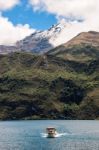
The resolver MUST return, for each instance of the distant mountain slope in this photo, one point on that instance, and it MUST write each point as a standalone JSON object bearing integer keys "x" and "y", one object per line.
{"x": 7, "y": 49}
{"x": 84, "y": 47}
{"x": 88, "y": 38}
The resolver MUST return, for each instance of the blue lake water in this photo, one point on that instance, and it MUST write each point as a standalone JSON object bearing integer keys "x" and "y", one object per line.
{"x": 30, "y": 135}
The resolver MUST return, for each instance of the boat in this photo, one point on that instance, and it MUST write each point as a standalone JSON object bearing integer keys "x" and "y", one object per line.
{"x": 51, "y": 132}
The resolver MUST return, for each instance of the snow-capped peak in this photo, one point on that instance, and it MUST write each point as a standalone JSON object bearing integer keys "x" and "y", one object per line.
{"x": 42, "y": 41}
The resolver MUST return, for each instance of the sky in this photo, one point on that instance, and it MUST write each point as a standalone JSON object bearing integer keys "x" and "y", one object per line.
{"x": 20, "y": 18}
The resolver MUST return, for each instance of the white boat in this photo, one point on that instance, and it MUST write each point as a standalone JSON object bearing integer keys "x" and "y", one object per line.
{"x": 51, "y": 132}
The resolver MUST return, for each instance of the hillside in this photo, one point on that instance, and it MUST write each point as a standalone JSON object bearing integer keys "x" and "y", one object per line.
{"x": 88, "y": 38}
{"x": 84, "y": 47}
{"x": 62, "y": 84}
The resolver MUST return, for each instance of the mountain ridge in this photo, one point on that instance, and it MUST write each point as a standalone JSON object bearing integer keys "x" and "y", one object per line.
{"x": 47, "y": 46}
{"x": 57, "y": 35}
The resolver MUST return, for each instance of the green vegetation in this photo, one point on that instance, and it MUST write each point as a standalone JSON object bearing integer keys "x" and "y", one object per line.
{"x": 57, "y": 88}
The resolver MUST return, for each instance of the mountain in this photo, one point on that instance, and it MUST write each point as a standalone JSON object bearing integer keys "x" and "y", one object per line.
{"x": 66, "y": 78}
{"x": 83, "y": 47}
{"x": 87, "y": 38}
{"x": 30, "y": 83}
{"x": 41, "y": 41}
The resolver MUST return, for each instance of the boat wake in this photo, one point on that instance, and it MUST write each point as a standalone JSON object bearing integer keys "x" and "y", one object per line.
{"x": 44, "y": 135}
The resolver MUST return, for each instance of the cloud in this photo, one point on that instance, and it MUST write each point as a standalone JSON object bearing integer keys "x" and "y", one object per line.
{"x": 8, "y": 4}
{"x": 67, "y": 7}
{"x": 79, "y": 15}
{"x": 82, "y": 15}
{"x": 9, "y": 33}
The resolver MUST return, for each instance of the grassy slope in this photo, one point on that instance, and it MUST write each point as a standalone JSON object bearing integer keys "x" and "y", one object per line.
{"x": 64, "y": 88}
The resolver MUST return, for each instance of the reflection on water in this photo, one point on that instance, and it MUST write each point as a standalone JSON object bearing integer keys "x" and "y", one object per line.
{"x": 31, "y": 135}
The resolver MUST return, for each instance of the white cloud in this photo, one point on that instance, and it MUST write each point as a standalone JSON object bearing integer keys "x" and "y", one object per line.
{"x": 8, "y": 4}
{"x": 9, "y": 33}
{"x": 87, "y": 10}
{"x": 67, "y": 7}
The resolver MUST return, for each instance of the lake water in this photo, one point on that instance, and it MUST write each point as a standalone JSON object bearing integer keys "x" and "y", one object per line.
{"x": 30, "y": 135}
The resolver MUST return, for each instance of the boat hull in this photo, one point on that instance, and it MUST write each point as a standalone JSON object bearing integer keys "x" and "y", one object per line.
{"x": 51, "y": 136}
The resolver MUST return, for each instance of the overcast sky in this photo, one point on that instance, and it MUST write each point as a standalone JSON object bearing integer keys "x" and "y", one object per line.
{"x": 19, "y": 18}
